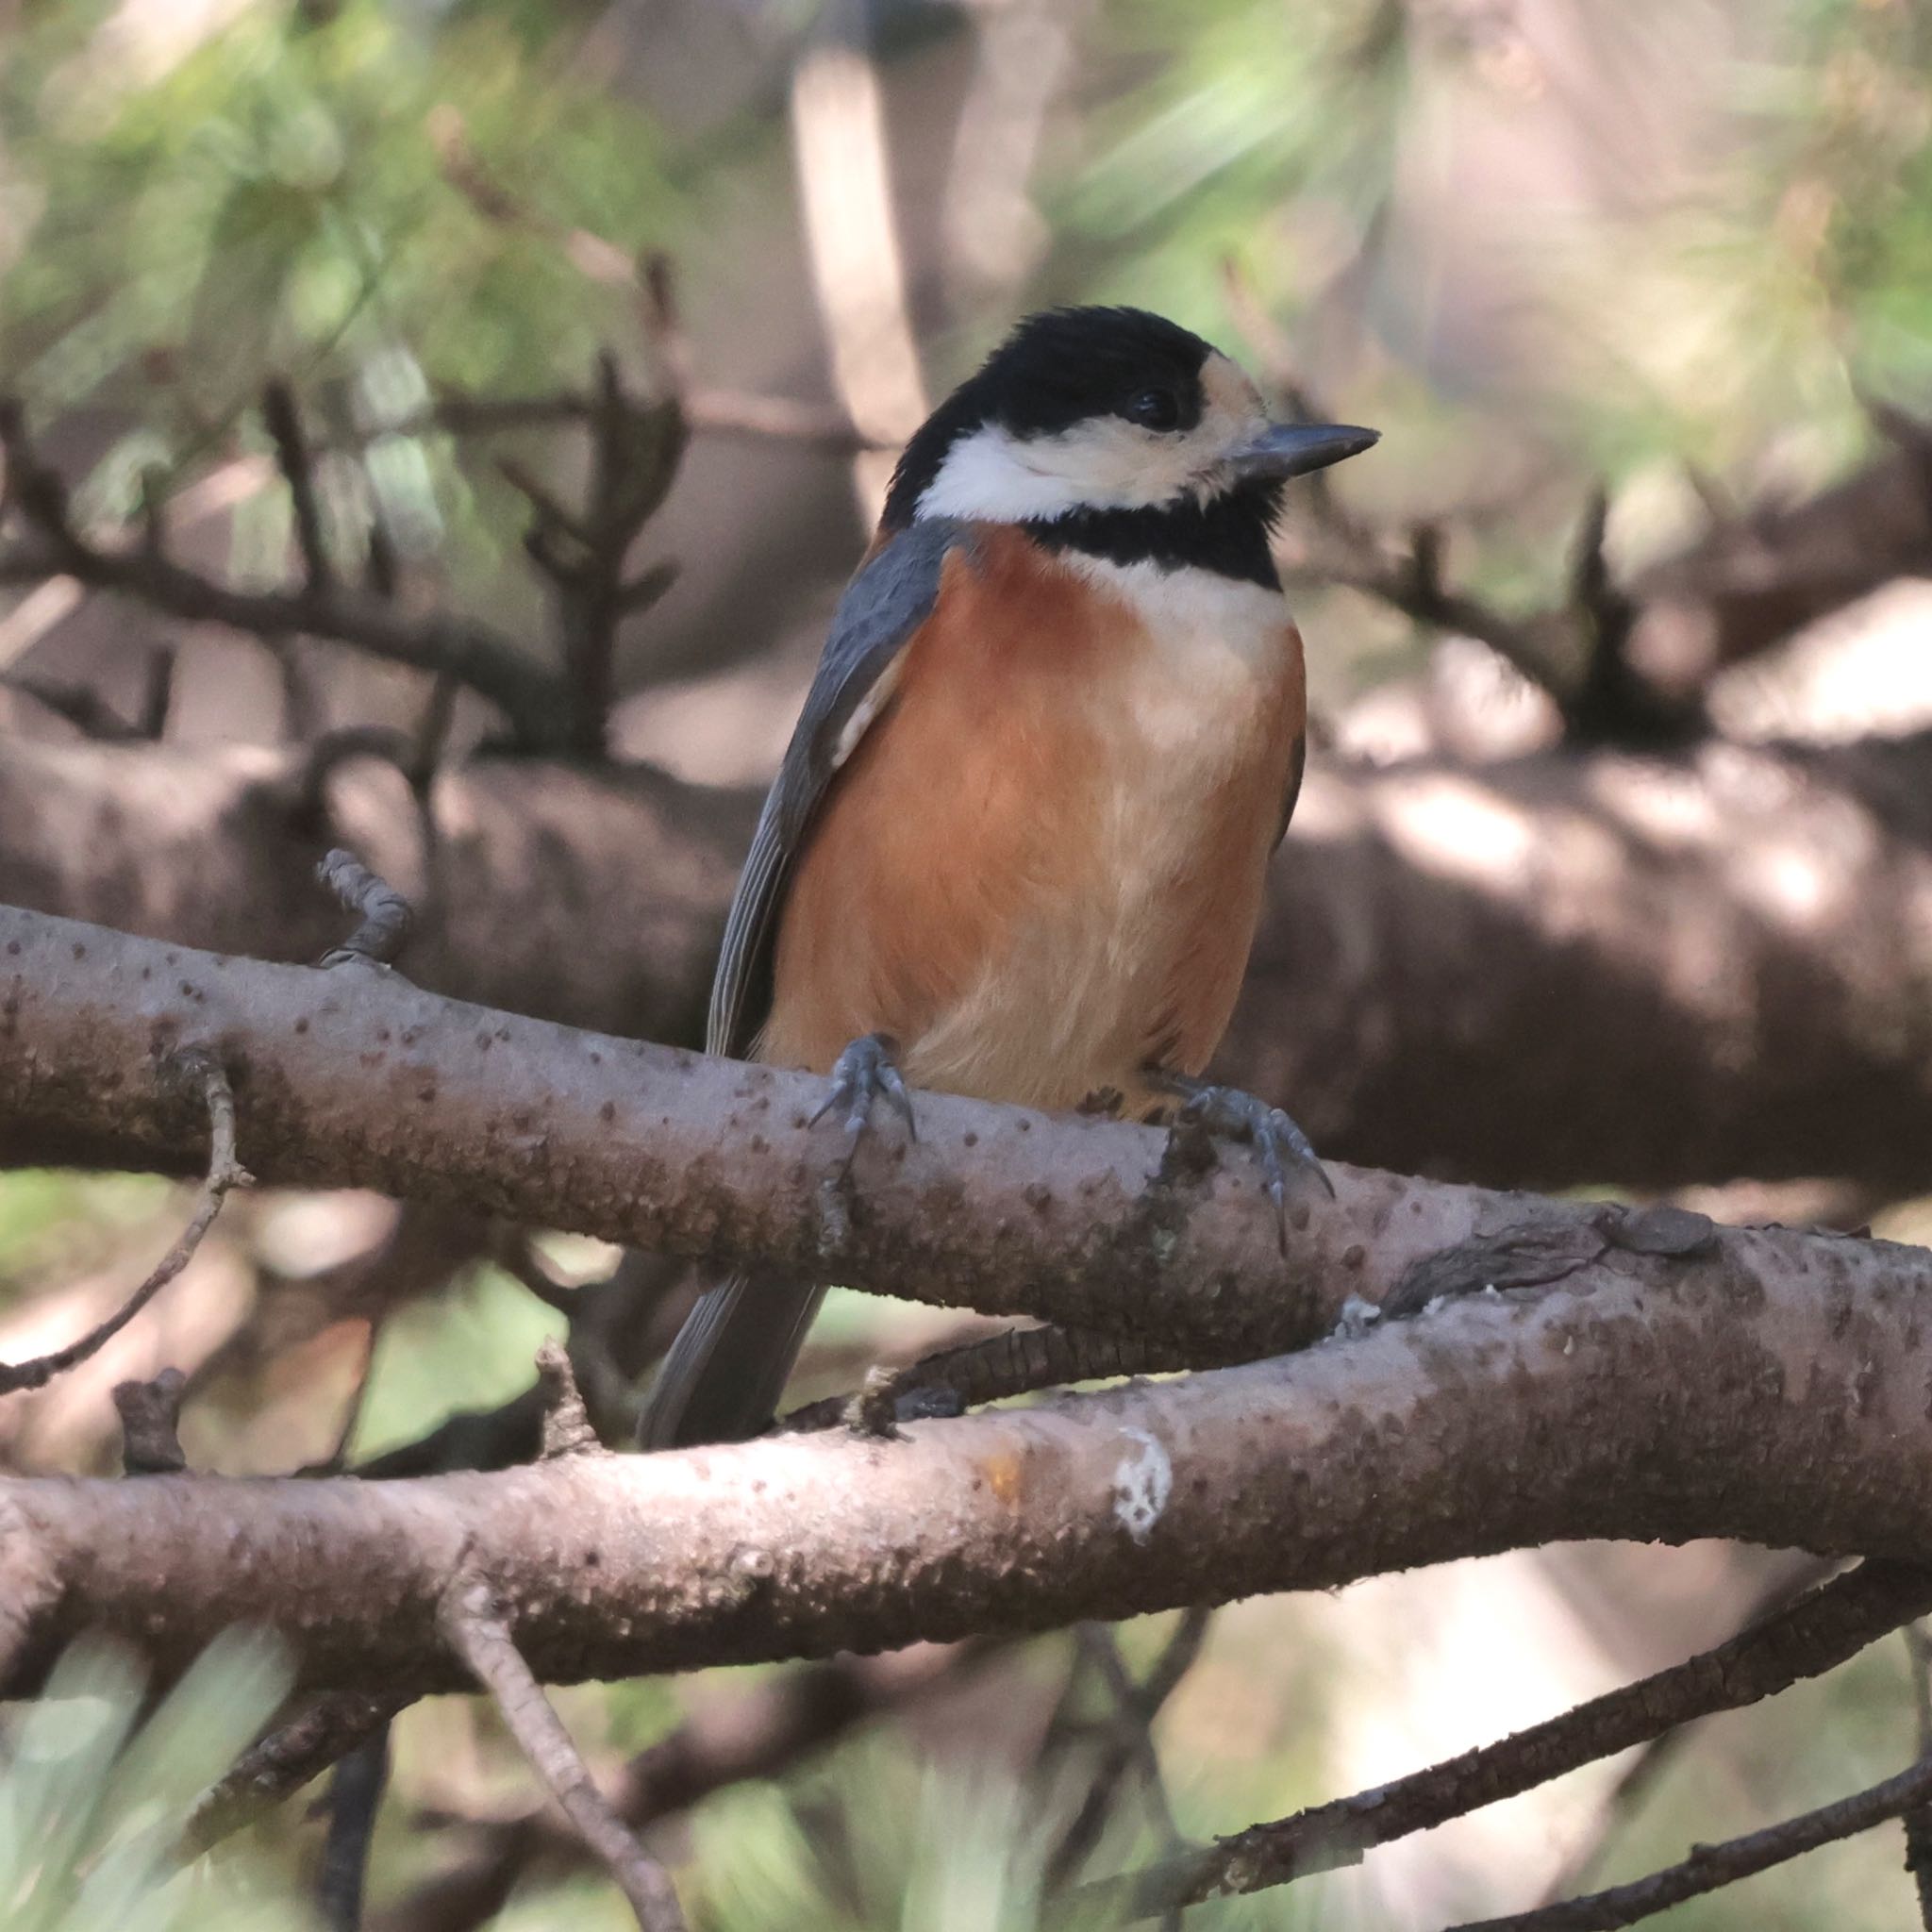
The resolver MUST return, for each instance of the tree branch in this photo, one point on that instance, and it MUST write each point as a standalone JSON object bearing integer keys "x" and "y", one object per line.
{"x": 477, "y": 1632}
{"x": 769, "y": 1729}
{"x": 286, "y": 1758}
{"x": 1014, "y": 1361}
{"x": 1805, "y": 1639}
{"x": 1129, "y": 1738}
{"x": 1918, "y": 1818}
{"x": 1424, "y": 918}
{"x": 204, "y": 1072}
{"x": 1783, "y": 1391}
{"x": 531, "y": 697}
{"x": 283, "y": 418}
{"x": 1095, "y": 1224}
{"x": 1711, "y": 1867}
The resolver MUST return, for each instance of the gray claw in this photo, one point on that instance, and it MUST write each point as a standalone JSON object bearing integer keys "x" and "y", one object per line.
{"x": 1280, "y": 1144}
{"x": 866, "y": 1073}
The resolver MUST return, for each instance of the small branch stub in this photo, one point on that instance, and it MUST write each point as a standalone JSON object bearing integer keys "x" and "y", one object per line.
{"x": 567, "y": 1427}
{"x": 150, "y": 1419}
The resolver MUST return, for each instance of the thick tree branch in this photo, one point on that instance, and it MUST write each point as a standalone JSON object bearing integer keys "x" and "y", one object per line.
{"x": 1426, "y": 919}
{"x": 1782, "y": 1378}
{"x": 1092, "y": 1222}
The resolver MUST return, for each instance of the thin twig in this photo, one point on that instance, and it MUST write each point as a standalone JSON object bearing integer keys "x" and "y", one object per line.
{"x": 1638, "y": 1778}
{"x": 1918, "y": 1820}
{"x": 285, "y": 1760}
{"x": 157, "y": 694}
{"x": 1130, "y": 1741}
{"x": 292, "y": 458}
{"x": 1711, "y": 1867}
{"x": 90, "y": 714}
{"x": 1341, "y": 547}
{"x": 223, "y": 1173}
{"x": 636, "y": 449}
{"x": 767, "y": 1731}
{"x": 355, "y": 1797}
{"x": 385, "y": 913}
{"x": 79, "y": 705}
{"x": 1813, "y": 1635}
{"x": 476, "y": 1630}
{"x": 482, "y": 658}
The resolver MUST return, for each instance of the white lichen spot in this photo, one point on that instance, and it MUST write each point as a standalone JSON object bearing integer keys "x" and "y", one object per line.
{"x": 1358, "y": 1317}
{"x": 1569, "y": 1344}
{"x": 1142, "y": 1484}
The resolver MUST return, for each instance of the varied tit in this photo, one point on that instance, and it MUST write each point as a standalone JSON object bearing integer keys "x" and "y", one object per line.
{"x": 1018, "y": 844}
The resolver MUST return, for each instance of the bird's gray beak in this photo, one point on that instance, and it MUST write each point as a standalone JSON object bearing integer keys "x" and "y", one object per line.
{"x": 1292, "y": 449}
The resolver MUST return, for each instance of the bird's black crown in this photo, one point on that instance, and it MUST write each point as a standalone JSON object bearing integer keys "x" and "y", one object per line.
{"x": 1067, "y": 366}
{"x": 1056, "y": 368}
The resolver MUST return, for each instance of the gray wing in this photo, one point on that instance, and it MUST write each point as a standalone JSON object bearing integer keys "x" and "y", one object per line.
{"x": 882, "y": 607}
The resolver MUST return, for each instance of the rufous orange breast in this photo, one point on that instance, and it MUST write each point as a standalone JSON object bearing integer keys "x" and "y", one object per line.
{"x": 1041, "y": 868}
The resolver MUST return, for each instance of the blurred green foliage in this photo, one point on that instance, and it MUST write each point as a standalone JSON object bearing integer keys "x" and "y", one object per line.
{"x": 94, "y": 1794}
{"x": 285, "y": 199}
{"x": 1778, "y": 269}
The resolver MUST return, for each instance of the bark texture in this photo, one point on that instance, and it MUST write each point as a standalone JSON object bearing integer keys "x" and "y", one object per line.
{"x": 352, "y": 1076}
{"x": 1557, "y": 970}
{"x": 1773, "y": 1390}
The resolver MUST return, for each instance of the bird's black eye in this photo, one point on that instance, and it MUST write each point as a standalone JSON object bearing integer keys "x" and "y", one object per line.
{"x": 1153, "y": 408}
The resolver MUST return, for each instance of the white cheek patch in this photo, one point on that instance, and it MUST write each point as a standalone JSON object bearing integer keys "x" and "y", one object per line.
{"x": 990, "y": 477}
{"x": 1104, "y": 463}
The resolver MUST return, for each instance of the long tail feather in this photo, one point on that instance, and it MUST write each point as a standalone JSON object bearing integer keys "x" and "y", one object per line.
{"x": 722, "y": 1380}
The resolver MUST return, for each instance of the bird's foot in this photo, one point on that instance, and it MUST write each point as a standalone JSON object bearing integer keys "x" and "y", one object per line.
{"x": 1279, "y": 1145}
{"x": 865, "y": 1074}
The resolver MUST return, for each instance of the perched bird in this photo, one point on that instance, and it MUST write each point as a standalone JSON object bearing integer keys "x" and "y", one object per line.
{"x": 1017, "y": 845}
